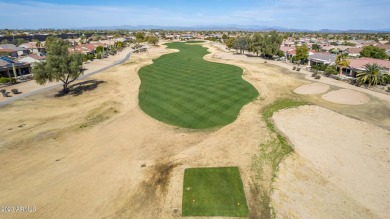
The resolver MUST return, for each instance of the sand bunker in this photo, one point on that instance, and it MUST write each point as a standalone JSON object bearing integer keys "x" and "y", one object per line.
{"x": 314, "y": 88}
{"x": 339, "y": 169}
{"x": 346, "y": 96}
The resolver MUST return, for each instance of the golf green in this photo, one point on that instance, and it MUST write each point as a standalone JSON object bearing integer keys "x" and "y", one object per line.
{"x": 213, "y": 192}
{"x": 183, "y": 89}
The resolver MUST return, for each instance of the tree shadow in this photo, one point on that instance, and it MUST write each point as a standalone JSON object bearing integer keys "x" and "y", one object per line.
{"x": 79, "y": 88}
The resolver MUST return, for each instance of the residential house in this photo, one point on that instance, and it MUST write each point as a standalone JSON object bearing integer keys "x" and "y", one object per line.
{"x": 83, "y": 48}
{"x": 357, "y": 65}
{"x": 21, "y": 51}
{"x": 9, "y": 52}
{"x": 33, "y": 58}
{"x": 286, "y": 50}
{"x": 362, "y": 43}
{"x": 186, "y": 37}
{"x": 7, "y": 68}
{"x": 322, "y": 58}
{"x": 32, "y": 47}
{"x": 353, "y": 52}
{"x": 170, "y": 37}
{"x": 289, "y": 43}
{"x": 327, "y": 48}
{"x": 291, "y": 53}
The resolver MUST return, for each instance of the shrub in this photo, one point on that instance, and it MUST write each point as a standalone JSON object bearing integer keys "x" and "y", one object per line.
{"x": 90, "y": 56}
{"x": 4, "y": 80}
{"x": 99, "y": 55}
{"x": 387, "y": 79}
{"x": 317, "y": 77}
{"x": 315, "y": 67}
{"x": 331, "y": 70}
{"x": 320, "y": 67}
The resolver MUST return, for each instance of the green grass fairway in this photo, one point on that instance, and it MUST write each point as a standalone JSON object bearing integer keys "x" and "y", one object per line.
{"x": 184, "y": 90}
{"x": 213, "y": 192}
{"x": 195, "y": 41}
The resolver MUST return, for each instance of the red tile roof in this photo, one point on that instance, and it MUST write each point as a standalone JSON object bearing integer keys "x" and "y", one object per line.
{"x": 354, "y": 50}
{"x": 7, "y": 50}
{"x": 292, "y": 52}
{"x": 37, "y": 57}
{"x": 361, "y": 62}
{"x": 31, "y": 45}
{"x": 384, "y": 46}
{"x": 286, "y": 48}
{"x": 88, "y": 46}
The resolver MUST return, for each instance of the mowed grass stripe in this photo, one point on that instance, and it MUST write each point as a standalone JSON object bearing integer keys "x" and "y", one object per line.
{"x": 183, "y": 89}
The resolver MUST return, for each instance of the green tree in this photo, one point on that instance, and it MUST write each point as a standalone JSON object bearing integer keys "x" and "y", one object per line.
{"x": 281, "y": 53}
{"x": 372, "y": 75}
{"x": 316, "y": 47}
{"x": 163, "y": 36}
{"x": 60, "y": 65}
{"x": 230, "y": 42}
{"x": 90, "y": 56}
{"x": 374, "y": 52}
{"x": 342, "y": 61}
{"x": 331, "y": 70}
{"x": 4, "y": 42}
{"x": 302, "y": 54}
{"x": 99, "y": 49}
{"x": 19, "y": 41}
{"x": 242, "y": 44}
{"x": 140, "y": 36}
{"x": 270, "y": 44}
{"x": 38, "y": 44}
{"x": 256, "y": 42}
{"x": 152, "y": 39}
{"x": 99, "y": 52}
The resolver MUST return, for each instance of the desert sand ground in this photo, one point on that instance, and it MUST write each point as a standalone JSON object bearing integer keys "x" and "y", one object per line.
{"x": 29, "y": 87}
{"x": 95, "y": 154}
{"x": 314, "y": 88}
{"x": 341, "y": 168}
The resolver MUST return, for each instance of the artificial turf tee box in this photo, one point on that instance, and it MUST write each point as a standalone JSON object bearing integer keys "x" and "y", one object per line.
{"x": 213, "y": 192}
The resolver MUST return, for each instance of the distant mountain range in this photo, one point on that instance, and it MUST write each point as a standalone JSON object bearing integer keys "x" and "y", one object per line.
{"x": 231, "y": 27}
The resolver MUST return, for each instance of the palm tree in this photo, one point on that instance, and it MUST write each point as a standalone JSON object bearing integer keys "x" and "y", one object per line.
{"x": 316, "y": 47}
{"x": 342, "y": 61}
{"x": 371, "y": 74}
{"x": 38, "y": 45}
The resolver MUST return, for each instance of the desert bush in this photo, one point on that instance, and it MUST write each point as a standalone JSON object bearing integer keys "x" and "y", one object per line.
{"x": 90, "y": 56}
{"x": 387, "y": 79}
{"x": 4, "y": 80}
{"x": 331, "y": 70}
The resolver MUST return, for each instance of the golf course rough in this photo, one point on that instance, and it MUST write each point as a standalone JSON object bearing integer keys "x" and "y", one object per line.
{"x": 213, "y": 192}
{"x": 184, "y": 90}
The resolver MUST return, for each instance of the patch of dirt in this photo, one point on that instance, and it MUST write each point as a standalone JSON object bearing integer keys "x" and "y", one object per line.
{"x": 147, "y": 201}
{"x": 101, "y": 113}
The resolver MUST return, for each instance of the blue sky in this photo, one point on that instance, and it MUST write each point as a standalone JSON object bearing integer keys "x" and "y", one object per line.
{"x": 302, "y": 14}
